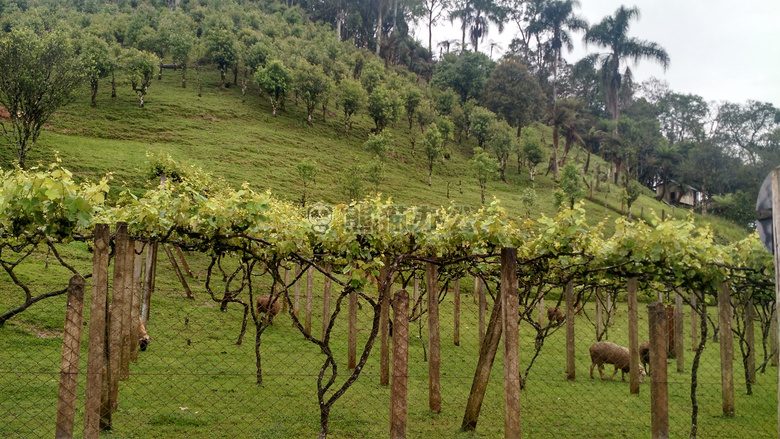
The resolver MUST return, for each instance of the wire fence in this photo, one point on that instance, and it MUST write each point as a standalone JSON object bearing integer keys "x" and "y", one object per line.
{"x": 195, "y": 380}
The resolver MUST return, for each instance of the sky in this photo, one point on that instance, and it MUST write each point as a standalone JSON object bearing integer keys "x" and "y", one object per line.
{"x": 721, "y": 50}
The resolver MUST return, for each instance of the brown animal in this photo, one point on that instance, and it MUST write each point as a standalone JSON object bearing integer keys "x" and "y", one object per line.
{"x": 554, "y": 315}
{"x": 644, "y": 354}
{"x": 143, "y": 336}
{"x": 604, "y": 352}
{"x": 262, "y": 306}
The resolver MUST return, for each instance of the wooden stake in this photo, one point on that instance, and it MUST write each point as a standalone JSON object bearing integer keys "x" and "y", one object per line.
{"x": 309, "y": 298}
{"x": 679, "y": 345}
{"x": 71, "y": 352}
{"x": 176, "y": 270}
{"x": 297, "y": 294}
{"x": 434, "y": 359}
{"x": 326, "y": 302}
{"x": 97, "y": 335}
{"x": 138, "y": 273}
{"x": 599, "y": 314}
{"x": 509, "y": 305}
{"x": 116, "y": 313}
{"x": 659, "y": 392}
{"x": 184, "y": 262}
{"x": 750, "y": 338}
{"x": 633, "y": 335}
{"x": 127, "y": 310}
{"x": 726, "y": 350}
{"x": 352, "y": 337}
{"x": 398, "y": 387}
{"x": 571, "y": 372}
{"x": 482, "y": 308}
{"x": 383, "y": 286}
{"x": 150, "y": 271}
{"x": 694, "y": 324}
{"x": 456, "y": 314}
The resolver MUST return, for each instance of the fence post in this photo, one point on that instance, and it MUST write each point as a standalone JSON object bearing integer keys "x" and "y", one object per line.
{"x": 71, "y": 352}
{"x": 659, "y": 392}
{"x": 726, "y": 349}
{"x": 97, "y": 333}
{"x": 352, "y": 336}
{"x": 416, "y": 288}
{"x": 679, "y": 345}
{"x": 776, "y": 253}
{"x": 750, "y": 339}
{"x": 509, "y": 298}
{"x": 309, "y": 298}
{"x": 384, "y": 287}
{"x": 633, "y": 335}
{"x": 773, "y": 338}
{"x": 116, "y": 313}
{"x": 571, "y": 372}
{"x": 326, "y": 301}
{"x": 694, "y": 325}
{"x": 456, "y": 314}
{"x": 599, "y": 315}
{"x": 179, "y": 274}
{"x": 138, "y": 267}
{"x": 434, "y": 360}
{"x": 127, "y": 309}
{"x": 398, "y": 385}
{"x": 150, "y": 271}
{"x": 286, "y": 285}
{"x": 297, "y": 293}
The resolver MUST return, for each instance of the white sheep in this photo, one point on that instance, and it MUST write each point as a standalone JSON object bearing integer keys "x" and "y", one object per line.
{"x": 605, "y": 352}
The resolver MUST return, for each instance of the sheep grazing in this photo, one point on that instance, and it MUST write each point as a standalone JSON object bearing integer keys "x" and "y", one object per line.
{"x": 262, "y": 306}
{"x": 605, "y": 352}
{"x": 644, "y": 354}
{"x": 554, "y": 315}
{"x": 143, "y": 336}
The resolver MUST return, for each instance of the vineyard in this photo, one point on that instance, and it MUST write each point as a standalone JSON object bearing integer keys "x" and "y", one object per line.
{"x": 207, "y": 373}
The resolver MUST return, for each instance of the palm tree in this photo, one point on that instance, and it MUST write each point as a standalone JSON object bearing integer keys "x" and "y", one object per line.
{"x": 476, "y": 16}
{"x": 665, "y": 157}
{"x": 612, "y": 34}
{"x": 463, "y": 10}
{"x": 557, "y": 18}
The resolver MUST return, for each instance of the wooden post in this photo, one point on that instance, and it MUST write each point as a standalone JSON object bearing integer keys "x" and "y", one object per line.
{"x": 773, "y": 338}
{"x": 138, "y": 273}
{"x": 416, "y": 289}
{"x": 97, "y": 334}
{"x": 398, "y": 386}
{"x": 71, "y": 352}
{"x": 571, "y": 372}
{"x": 184, "y": 263}
{"x": 726, "y": 350}
{"x": 487, "y": 354}
{"x": 352, "y": 337}
{"x": 694, "y": 325}
{"x": 599, "y": 314}
{"x": 456, "y": 314}
{"x": 609, "y": 303}
{"x": 475, "y": 295}
{"x": 178, "y": 272}
{"x": 326, "y": 302}
{"x": 510, "y": 303}
{"x": 150, "y": 271}
{"x": 434, "y": 359}
{"x": 750, "y": 338}
{"x": 659, "y": 392}
{"x": 679, "y": 348}
{"x": 776, "y": 253}
{"x": 482, "y": 308}
{"x": 127, "y": 310}
{"x": 633, "y": 335}
{"x": 540, "y": 308}
{"x": 309, "y": 298}
{"x": 384, "y": 287}
{"x": 116, "y": 313}
{"x": 297, "y": 294}
{"x": 286, "y": 285}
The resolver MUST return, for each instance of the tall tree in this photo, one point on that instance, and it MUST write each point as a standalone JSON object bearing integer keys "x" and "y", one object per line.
{"x": 275, "y": 80}
{"x": 514, "y": 93}
{"x": 465, "y": 74}
{"x": 432, "y": 147}
{"x": 38, "y": 75}
{"x": 311, "y": 84}
{"x": 612, "y": 34}
{"x": 484, "y": 169}
{"x": 434, "y": 10}
{"x": 558, "y": 20}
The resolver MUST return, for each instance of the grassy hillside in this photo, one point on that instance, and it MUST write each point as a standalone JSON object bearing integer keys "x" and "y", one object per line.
{"x": 238, "y": 140}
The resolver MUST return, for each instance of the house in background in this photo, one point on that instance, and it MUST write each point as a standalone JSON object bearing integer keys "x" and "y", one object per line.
{"x": 678, "y": 194}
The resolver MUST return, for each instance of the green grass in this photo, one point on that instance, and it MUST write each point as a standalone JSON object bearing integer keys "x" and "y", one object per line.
{"x": 195, "y": 382}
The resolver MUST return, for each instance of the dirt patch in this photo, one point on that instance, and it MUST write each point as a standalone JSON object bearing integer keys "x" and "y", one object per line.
{"x": 4, "y": 114}
{"x": 46, "y": 333}
{"x": 204, "y": 117}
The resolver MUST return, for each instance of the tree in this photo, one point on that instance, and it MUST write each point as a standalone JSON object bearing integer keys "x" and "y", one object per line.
{"x": 412, "y": 98}
{"x": 381, "y": 107}
{"x": 570, "y": 187}
{"x": 312, "y": 85}
{"x": 275, "y": 80}
{"x": 612, "y": 33}
{"x": 532, "y": 150}
{"x": 38, "y": 75}
{"x": 97, "y": 60}
{"x": 558, "y": 19}
{"x": 351, "y": 182}
{"x": 140, "y": 68}
{"x": 484, "y": 169}
{"x": 746, "y": 131}
{"x": 375, "y": 173}
{"x": 434, "y": 9}
{"x": 432, "y": 142}
{"x": 502, "y": 142}
{"x": 378, "y": 145}
{"x": 222, "y": 49}
{"x": 480, "y": 123}
{"x": 632, "y": 191}
{"x": 512, "y": 92}
{"x": 465, "y": 74}
{"x": 352, "y": 98}
{"x": 307, "y": 170}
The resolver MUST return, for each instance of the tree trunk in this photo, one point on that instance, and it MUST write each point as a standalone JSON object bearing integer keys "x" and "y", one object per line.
{"x": 94, "y": 86}
{"x": 555, "y": 154}
{"x": 184, "y": 76}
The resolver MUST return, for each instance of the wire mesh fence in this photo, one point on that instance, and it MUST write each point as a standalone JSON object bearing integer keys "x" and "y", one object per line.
{"x": 195, "y": 379}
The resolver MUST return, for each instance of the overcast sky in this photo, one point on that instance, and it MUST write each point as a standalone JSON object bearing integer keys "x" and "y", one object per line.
{"x": 719, "y": 49}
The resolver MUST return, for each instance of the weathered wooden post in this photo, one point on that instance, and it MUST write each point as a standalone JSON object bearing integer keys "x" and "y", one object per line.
{"x": 571, "y": 373}
{"x": 97, "y": 335}
{"x": 297, "y": 294}
{"x": 138, "y": 273}
{"x": 434, "y": 359}
{"x": 773, "y": 338}
{"x": 475, "y": 294}
{"x": 309, "y": 298}
{"x": 599, "y": 314}
{"x": 127, "y": 309}
{"x": 456, "y": 314}
{"x": 384, "y": 287}
{"x": 416, "y": 289}
{"x": 694, "y": 324}
{"x": 284, "y": 288}
{"x": 633, "y": 335}
{"x": 179, "y": 274}
{"x": 509, "y": 306}
{"x": 150, "y": 271}
{"x": 398, "y": 385}
{"x": 726, "y": 349}
{"x": 71, "y": 352}
{"x": 116, "y": 312}
{"x": 659, "y": 392}
{"x": 750, "y": 338}
{"x": 482, "y": 308}
{"x": 679, "y": 348}
{"x": 352, "y": 336}
{"x": 326, "y": 301}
